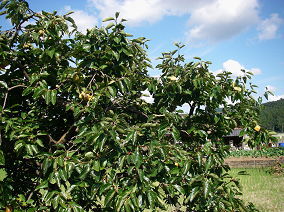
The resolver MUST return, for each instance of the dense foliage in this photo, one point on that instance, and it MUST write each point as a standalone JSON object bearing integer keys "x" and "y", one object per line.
{"x": 77, "y": 136}
{"x": 272, "y": 115}
{"x": 266, "y": 152}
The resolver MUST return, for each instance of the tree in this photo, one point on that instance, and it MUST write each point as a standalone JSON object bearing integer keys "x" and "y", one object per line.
{"x": 77, "y": 136}
{"x": 272, "y": 115}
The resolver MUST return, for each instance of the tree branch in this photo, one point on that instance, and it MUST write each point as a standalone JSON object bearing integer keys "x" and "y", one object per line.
{"x": 62, "y": 139}
{"x": 17, "y": 86}
{"x": 4, "y": 103}
{"x": 6, "y": 95}
{"x": 192, "y": 107}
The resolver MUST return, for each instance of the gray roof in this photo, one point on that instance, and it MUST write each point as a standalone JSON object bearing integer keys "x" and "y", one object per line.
{"x": 235, "y": 132}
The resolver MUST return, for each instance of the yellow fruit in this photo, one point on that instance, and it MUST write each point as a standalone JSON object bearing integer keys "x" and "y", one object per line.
{"x": 76, "y": 78}
{"x": 89, "y": 97}
{"x": 27, "y": 45}
{"x": 41, "y": 32}
{"x": 237, "y": 89}
{"x": 257, "y": 128}
{"x": 8, "y": 209}
{"x": 85, "y": 96}
{"x": 176, "y": 164}
{"x": 82, "y": 95}
{"x": 156, "y": 184}
{"x": 173, "y": 78}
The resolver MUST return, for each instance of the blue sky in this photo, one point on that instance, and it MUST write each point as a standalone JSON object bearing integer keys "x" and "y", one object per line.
{"x": 233, "y": 34}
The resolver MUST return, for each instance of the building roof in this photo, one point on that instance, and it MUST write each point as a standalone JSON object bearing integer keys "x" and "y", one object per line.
{"x": 235, "y": 132}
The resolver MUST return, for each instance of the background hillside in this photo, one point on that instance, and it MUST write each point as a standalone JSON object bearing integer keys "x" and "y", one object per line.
{"x": 272, "y": 115}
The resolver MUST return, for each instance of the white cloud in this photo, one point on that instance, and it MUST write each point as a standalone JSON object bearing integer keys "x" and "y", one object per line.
{"x": 141, "y": 11}
{"x": 136, "y": 11}
{"x": 275, "y": 97}
{"x": 82, "y": 19}
{"x": 185, "y": 107}
{"x": 235, "y": 68}
{"x": 268, "y": 27}
{"x": 222, "y": 19}
{"x": 271, "y": 88}
{"x": 147, "y": 97}
{"x": 255, "y": 71}
{"x": 209, "y": 20}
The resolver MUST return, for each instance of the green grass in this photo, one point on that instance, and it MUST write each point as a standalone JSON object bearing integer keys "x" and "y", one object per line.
{"x": 266, "y": 191}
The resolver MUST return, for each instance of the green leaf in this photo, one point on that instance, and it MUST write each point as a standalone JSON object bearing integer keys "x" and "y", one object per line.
{"x": 34, "y": 149}
{"x": 179, "y": 189}
{"x": 2, "y": 158}
{"x": 27, "y": 91}
{"x": 127, "y": 52}
{"x": 63, "y": 174}
{"x": 137, "y": 158}
{"x": 121, "y": 86}
{"x": 42, "y": 185}
{"x": 3, "y": 4}
{"x": 206, "y": 188}
{"x": 84, "y": 172}
{"x": 50, "y": 53}
{"x": 49, "y": 196}
{"x": 176, "y": 134}
{"x": 53, "y": 96}
{"x": 55, "y": 201}
{"x": 29, "y": 149}
{"x": 4, "y": 84}
{"x": 47, "y": 97}
{"x": 38, "y": 92}
{"x": 102, "y": 142}
{"x": 69, "y": 168}
{"x": 110, "y": 25}
{"x": 109, "y": 197}
{"x": 3, "y": 174}
{"x": 112, "y": 91}
{"x": 152, "y": 196}
{"x": 39, "y": 142}
{"x": 116, "y": 55}
{"x": 96, "y": 165}
{"x": 156, "y": 184}
{"x": 46, "y": 164}
{"x": 128, "y": 206}
{"x": 199, "y": 157}
{"x": 108, "y": 19}
{"x": 193, "y": 193}
{"x": 117, "y": 39}
{"x": 208, "y": 163}
{"x": 120, "y": 202}
{"x": 266, "y": 95}
{"x": 68, "y": 18}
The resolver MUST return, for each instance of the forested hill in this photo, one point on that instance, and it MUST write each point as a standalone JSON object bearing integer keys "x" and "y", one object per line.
{"x": 272, "y": 115}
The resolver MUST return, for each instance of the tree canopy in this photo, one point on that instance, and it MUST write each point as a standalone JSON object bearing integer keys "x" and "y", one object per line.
{"x": 272, "y": 115}
{"x": 76, "y": 134}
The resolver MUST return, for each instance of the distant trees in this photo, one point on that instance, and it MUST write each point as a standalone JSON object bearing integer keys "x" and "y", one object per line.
{"x": 272, "y": 115}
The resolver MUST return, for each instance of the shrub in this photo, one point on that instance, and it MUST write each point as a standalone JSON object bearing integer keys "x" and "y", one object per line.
{"x": 77, "y": 136}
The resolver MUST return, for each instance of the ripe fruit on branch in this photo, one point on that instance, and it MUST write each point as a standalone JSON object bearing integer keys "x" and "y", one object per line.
{"x": 86, "y": 96}
{"x": 257, "y": 128}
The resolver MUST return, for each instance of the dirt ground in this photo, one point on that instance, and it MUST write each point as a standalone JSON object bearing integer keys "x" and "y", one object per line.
{"x": 250, "y": 162}
{"x": 254, "y": 159}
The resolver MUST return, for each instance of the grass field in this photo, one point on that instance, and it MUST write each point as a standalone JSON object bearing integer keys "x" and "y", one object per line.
{"x": 266, "y": 191}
